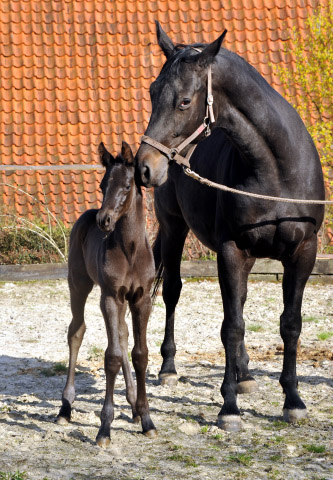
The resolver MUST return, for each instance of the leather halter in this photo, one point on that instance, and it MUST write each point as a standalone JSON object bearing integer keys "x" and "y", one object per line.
{"x": 174, "y": 152}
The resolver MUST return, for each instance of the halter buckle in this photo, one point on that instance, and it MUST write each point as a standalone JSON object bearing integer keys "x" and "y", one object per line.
{"x": 172, "y": 153}
{"x": 210, "y": 100}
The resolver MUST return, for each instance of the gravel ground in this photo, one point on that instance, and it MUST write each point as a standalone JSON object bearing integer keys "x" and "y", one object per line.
{"x": 34, "y": 317}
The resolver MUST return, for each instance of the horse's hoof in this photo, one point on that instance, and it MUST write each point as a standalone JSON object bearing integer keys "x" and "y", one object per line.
{"x": 103, "y": 442}
{"x": 151, "y": 433}
{"x": 229, "y": 423}
{"x": 247, "y": 386}
{"x": 293, "y": 415}
{"x": 62, "y": 420}
{"x": 136, "y": 419}
{"x": 169, "y": 379}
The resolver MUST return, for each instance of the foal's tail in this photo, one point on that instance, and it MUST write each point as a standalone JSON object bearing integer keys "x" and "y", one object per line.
{"x": 158, "y": 265}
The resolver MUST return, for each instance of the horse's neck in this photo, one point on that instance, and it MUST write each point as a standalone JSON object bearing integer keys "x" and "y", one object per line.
{"x": 248, "y": 111}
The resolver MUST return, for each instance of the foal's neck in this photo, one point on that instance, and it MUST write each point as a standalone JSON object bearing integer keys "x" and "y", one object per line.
{"x": 130, "y": 229}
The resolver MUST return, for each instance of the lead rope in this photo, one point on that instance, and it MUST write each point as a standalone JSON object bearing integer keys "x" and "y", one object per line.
{"x": 219, "y": 186}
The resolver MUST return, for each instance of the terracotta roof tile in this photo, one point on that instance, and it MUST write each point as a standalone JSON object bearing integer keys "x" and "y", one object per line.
{"x": 74, "y": 73}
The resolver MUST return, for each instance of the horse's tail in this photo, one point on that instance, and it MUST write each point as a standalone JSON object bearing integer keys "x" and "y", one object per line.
{"x": 158, "y": 265}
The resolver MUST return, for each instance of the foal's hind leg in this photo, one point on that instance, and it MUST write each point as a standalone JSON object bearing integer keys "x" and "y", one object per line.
{"x": 172, "y": 243}
{"x": 78, "y": 297}
{"x": 296, "y": 273}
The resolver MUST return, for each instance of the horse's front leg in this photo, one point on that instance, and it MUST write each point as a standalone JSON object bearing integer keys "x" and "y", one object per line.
{"x": 245, "y": 382}
{"x": 140, "y": 314}
{"x": 112, "y": 363}
{"x": 172, "y": 244}
{"x": 297, "y": 270}
{"x": 231, "y": 263}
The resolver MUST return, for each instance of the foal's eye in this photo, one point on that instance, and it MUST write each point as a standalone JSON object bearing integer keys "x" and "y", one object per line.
{"x": 128, "y": 187}
{"x": 185, "y": 104}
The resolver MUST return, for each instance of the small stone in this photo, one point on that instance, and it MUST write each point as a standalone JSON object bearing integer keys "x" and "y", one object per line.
{"x": 190, "y": 428}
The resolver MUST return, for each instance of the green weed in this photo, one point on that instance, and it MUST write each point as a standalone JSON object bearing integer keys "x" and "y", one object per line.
{"x": 324, "y": 335}
{"x": 95, "y": 353}
{"x": 315, "y": 448}
{"x": 255, "y": 328}
{"x": 13, "y": 476}
{"x": 242, "y": 458}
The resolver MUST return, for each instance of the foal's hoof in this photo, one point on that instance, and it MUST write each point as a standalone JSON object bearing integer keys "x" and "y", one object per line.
{"x": 293, "y": 415}
{"x": 151, "y": 433}
{"x": 247, "y": 386}
{"x": 136, "y": 419}
{"x": 169, "y": 379}
{"x": 62, "y": 420}
{"x": 103, "y": 442}
{"x": 229, "y": 423}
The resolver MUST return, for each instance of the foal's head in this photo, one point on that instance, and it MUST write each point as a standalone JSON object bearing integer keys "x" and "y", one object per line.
{"x": 118, "y": 186}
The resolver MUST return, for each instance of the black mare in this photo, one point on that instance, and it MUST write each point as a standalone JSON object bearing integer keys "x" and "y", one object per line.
{"x": 259, "y": 144}
{"x": 109, "y": 247}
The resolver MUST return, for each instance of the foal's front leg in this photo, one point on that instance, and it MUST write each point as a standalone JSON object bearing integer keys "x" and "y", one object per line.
{"x": 126, "y": 367}
{"x": 140, "y": 315}
{"x": 112, "y": 363}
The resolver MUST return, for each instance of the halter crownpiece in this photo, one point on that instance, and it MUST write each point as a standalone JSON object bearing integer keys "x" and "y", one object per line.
{"x": 173, "y": 153}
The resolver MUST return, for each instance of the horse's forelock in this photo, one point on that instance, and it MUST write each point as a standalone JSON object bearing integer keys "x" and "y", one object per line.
{"x": 183, "y": 53}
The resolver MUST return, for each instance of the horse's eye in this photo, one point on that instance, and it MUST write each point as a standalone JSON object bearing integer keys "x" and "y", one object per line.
{"x": 185, "y": 104}
{"x": 128, "y": 187}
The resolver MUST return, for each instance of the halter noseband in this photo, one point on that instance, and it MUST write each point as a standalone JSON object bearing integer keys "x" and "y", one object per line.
{"x": 174, "y": 152}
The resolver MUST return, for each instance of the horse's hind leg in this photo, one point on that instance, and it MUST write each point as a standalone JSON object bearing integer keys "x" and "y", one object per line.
{"x": 79, "y": 291}
{"x": 296, "y": 273}
{"x": 245, "y": 382}
{"x": 126, "y": 367}
{"x": 172, "y": 244}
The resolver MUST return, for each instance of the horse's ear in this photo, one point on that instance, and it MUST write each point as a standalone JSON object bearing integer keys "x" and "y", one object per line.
{"x": 126, "y": 153}
{"x": 105, "y": 157}
{"x": 164, "y": 41}
{"x": 206, "y": 57}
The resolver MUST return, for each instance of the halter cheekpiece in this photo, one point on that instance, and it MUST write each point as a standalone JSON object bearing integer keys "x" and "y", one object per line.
{"x": 173, "y": 154}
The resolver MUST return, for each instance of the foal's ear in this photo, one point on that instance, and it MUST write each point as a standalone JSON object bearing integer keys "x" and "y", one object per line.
{"x": 105, "y": 157}
{"x": 206, "y": 57}
{"x": 126, "y": 153}
{"x": 164, "y": 41}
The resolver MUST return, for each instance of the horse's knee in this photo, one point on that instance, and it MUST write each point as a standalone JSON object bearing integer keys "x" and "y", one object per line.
{"x": 290, "y": 327}
{"x": 171, "y": 288}
{"x": 232, "y": 333}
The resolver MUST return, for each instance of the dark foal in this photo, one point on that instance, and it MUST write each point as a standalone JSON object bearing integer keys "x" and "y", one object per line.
{"x": 109, "y": 247}
{"x": 258, "y": 144}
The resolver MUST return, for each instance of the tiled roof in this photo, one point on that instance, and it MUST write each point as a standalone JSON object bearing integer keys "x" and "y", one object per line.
{"x": 74, "y": 73}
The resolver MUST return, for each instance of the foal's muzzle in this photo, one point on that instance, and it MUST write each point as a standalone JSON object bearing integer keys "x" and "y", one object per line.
{"x": 105, "y": 222}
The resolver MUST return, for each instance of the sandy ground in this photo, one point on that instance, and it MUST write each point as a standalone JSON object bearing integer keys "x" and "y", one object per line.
{"x": 34, "y": 317}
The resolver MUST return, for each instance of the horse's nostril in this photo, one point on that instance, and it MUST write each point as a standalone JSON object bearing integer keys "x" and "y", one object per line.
{"x": 145, "y": 173}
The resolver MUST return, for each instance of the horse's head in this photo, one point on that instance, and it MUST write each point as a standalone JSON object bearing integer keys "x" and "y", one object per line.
{"x": 118, "y": 186}
{"x": 178, "y": 97}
